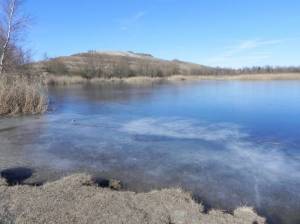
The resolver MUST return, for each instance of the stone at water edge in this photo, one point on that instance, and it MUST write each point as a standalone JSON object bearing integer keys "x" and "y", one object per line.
{"x": 115, "y": 184}
{"x": 3, "y": 182}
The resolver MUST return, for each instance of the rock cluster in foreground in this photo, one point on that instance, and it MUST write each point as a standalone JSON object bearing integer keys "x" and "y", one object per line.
{"x": 76, "y": 199}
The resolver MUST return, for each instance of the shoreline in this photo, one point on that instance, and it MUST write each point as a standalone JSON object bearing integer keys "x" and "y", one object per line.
{"x": 77, "y": 199}
{"x": 69, "y": 80}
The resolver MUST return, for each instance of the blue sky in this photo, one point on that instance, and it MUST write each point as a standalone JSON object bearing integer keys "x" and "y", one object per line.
{"x": 230, "y": 33}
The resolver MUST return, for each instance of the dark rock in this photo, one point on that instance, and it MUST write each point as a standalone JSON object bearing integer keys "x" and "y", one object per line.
{"x": 17, "y": 175}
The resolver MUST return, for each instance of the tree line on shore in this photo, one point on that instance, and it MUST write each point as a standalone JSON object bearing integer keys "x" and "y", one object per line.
{"x": 21, "y": 85}
{"x": 103, "y": 66}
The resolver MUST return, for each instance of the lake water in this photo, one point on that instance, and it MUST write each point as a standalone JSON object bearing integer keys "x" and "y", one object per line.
{"x": 231, "y": 143}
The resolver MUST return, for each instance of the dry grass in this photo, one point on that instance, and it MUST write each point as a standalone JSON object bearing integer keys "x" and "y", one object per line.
{"x": 94, "y": 64}
{"x": 280, "y": 76}
{"x": 71, "y": 80}
{"x": 76, "y": 199}
{"x": 21, "y": 95}
{"x": 143, "y": 80}
{"x": 64, "y": 80}
{"x": 267, "y": 76}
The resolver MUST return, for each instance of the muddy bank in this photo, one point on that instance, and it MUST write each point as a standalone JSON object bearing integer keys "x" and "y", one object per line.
{"x": 77, "y": 199}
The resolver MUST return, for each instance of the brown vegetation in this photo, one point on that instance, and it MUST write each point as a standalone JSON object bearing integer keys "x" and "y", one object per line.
{"x": 98, "y": 66}
{"x": 77, "y": 199}
{"x": 145, "y": 81}
{"x": 113, "y": 65}
{"x": 21, "y": 95}
{"x": 63, "y": 80}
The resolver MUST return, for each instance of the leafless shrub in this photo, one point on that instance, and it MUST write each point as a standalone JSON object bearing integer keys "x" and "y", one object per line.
{"x": 218, "y": 71}
{"x": 55, "y": 66}
{"x": 13, "y": 23}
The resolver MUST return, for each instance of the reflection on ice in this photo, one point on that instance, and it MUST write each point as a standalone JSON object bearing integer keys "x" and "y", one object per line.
{"x": 235, "y": 148}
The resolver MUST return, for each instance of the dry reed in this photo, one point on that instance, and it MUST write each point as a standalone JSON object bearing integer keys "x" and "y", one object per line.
{"x": 22, "y": 95}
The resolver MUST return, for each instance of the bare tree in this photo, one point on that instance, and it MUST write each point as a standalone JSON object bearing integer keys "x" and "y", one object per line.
{"x": 12, "y": 25}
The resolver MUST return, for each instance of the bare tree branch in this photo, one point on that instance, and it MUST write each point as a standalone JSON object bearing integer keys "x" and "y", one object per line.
{"x": 12, "y": 25}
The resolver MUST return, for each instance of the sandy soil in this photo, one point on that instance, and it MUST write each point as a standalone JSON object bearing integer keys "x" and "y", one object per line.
{"x": 76, "y": 199}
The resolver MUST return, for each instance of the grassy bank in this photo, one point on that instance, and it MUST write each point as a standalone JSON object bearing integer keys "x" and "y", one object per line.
{"x": 69, "y": 80}
{"x": 76, "y": 199}
{"x": 22, "y": 95}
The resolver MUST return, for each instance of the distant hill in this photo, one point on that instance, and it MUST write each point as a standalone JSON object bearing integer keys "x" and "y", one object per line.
{"x": 118, "y": 64}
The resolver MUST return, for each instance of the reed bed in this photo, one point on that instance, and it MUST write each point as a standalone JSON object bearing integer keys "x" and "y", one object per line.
{"x": 144, "y": 80}
{"x": 63, "y": 80}
{"x": 22, "y": 95}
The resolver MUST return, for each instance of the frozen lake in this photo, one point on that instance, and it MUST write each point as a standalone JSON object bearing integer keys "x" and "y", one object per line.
{"x": 231, "y": 143}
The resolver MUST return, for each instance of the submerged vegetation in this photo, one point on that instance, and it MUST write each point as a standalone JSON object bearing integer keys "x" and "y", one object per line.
{"x": 22, "y": 95}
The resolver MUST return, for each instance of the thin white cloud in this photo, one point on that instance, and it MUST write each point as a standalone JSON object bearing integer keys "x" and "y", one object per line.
{"x": 132, "y": 20}
{"x": 247, "y": 52}
{"x": 252, "y": 44}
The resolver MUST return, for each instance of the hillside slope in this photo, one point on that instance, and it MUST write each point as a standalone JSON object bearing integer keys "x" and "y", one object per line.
{"x": 118, "y": 64}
